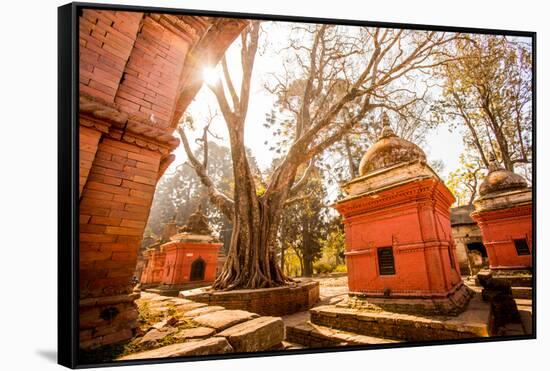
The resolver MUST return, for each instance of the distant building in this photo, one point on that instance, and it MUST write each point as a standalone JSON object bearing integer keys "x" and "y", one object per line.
{"x": 468, "y": 240}
{"x": 184, "y": 258}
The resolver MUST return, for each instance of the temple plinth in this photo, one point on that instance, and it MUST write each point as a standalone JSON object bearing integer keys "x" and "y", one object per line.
{"x": 190, "y": 257}
{"x": 503, "y": 211}
{"x": 400, "y": 253}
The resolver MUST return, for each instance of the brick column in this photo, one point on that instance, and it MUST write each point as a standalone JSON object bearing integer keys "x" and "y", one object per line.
{"x": 134, "y": 69}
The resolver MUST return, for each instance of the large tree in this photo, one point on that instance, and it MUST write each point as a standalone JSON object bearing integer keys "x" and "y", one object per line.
{"x": 372, "y": 66}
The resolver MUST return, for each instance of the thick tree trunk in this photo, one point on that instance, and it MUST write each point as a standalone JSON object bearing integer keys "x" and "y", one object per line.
{"x": 251, "y": 262}
{"x": 308, "y": 266}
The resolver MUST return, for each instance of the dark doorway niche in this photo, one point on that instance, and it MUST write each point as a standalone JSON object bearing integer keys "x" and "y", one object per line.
{"x": 477, "y": 246}
{"x": 197, "y": 270}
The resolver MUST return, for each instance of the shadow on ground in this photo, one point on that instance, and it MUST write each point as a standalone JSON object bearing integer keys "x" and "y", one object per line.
{"x": 50, "y": 355}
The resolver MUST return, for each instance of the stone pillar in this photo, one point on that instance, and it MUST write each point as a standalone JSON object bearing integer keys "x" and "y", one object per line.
{"x": 399, "y": 249}
{"x": 504, "y": 212}
{"x": 135, "y": 82}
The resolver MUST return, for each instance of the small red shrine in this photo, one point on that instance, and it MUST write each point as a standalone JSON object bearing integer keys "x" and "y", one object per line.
{"x": 400, "y": 253}
{"x": 503, "y": 211}
{"x": 189, "y": 259}
{"x": 154, "y": 266}
{"x": 154, "y": 258}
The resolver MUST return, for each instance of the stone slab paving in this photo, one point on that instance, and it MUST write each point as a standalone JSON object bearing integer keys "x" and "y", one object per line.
{"x": 332, "y": 289}
{"x": 195, "y": 333}
{"x": 186, "y": 328}
{"x": 214, "y": 345}
{"x": 220, "y": 320}
{"x": 204, "y": 310}
{"x": 255, "y": 335}
{"x": 474, "y": 322}
{"x": 155, "y": 335}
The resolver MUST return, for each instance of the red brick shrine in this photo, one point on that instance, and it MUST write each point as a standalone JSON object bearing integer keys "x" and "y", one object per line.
{"x": 400, "y": 253}
{"x": 503, "y": 212}
{"x": 189, "y": 259}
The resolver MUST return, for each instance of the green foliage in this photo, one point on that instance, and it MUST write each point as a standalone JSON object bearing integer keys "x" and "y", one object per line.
{"x": 487, "y": 93}
{"x": 341, "y": 268}
{"x": 463, "y": 182}
{"x": 179, "y": 193}
{"x": 293, "y": 265}
{"x": 304, "y": 224}
{"x": 332, "y": 250}
{"x": 321, "y": 267}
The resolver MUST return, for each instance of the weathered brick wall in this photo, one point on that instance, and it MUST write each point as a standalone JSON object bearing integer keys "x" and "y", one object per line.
{"x": 134, "y": 70}
{"x": 149, "y": 86}
{"x": 106, "y": 42}
{"x": 89, "y": 140}
{"x": 114, "y": 208}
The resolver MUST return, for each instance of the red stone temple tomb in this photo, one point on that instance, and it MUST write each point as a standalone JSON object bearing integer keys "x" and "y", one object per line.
{"x": 190, "y": 258}
{"x": 503, "y": 212}
{"x": 399, "y": 250}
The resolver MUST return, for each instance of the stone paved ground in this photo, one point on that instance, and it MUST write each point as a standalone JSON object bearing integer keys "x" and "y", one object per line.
{"x": 175, "y": 327}
{"x": 171, "y": 327}
{"x": 331, "y": 290}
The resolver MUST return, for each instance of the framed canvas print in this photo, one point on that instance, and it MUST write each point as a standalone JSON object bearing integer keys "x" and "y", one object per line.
{"x": 236, "y": 185}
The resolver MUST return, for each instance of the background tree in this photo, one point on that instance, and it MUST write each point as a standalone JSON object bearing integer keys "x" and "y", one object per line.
{"x": 333, "y": 247}
{"x": 487, "y": 90}
{"x": 464, "y": 181}
{"x": 372, "y": 66}
{"x": 303, "y": 224}
{"x": 179, "y": 193}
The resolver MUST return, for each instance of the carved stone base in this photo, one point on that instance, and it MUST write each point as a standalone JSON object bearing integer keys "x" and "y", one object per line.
{"x": 453, "y": 303}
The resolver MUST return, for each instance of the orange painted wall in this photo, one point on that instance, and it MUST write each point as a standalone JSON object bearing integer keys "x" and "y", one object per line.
{"x": 180, "y": 256}
{"x": 499, "y": 228}
{"x": 414, "y": 220}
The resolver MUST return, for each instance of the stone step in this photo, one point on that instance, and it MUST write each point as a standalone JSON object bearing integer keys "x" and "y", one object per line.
{"x": 289, "y": 345}
{"x": 515, "y": 280}
{"x": 473, "y": 322}
{"x": 522, "y": 292}
{"x": 526, "y": 321}
{"x": 527, "y": 303}
{"x": 525, "y": 309}
{"x": 315, "y": 336}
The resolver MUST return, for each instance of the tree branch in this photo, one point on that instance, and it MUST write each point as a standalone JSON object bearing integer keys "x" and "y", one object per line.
{"x": 229, "y": 83}
{"x": 223, "y": 202}
{"x": 304, "y": 179}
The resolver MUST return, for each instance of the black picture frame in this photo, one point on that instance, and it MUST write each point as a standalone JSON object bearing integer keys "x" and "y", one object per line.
{"x": 68, "y": 177}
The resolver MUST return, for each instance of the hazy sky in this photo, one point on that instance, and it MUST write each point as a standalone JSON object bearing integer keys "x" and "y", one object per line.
{"x": 441, "y": 144}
